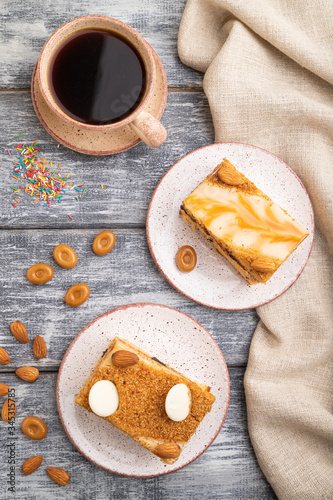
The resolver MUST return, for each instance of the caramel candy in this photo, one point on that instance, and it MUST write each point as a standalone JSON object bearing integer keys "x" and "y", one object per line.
{"x": 103, "y": 398}
{"x": 40, "y": 273}
{"x": 77, "y": 294}
{"x": 186, "y": 258}
{"x": 65, "y": 256}
{"x": 34, "y": 427}
{"x": 178, "y": 402}
{"x": 104, "y": 242}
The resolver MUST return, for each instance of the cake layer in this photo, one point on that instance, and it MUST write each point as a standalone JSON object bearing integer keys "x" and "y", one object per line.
{"x": 142, "y": 390}
{"x": 243, "y": 222}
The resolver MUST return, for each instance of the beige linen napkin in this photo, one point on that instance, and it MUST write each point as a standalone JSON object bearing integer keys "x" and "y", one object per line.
{"x": 268, "y": 77}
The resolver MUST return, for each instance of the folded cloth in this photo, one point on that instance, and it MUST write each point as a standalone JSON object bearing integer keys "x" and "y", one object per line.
{"x": 268, "y": 79}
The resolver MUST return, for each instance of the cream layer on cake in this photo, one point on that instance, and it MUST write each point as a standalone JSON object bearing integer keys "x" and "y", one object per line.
{"x": 245, "y": 220}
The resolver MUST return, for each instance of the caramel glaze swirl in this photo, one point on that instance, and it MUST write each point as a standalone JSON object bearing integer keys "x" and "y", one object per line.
{"x": 246, "y": 218}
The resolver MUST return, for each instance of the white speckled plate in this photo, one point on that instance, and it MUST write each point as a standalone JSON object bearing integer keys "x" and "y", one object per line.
{"x": 172, "y": 337}
{"x": 214, "y": 282}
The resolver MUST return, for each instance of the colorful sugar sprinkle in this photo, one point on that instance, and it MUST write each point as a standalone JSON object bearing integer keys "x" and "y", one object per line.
{"x": 43, "y": 182}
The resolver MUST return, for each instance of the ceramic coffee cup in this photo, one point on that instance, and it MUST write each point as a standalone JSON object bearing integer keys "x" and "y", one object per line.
{"x": 147, "y": 127}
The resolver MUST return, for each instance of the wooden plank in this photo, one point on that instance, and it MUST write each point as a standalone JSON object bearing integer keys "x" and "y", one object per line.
{"x": 137, "y": 171}
{"x": 126, "y": 275}
{"x": 27, "y": 25}
{"x": 227, "y": 470}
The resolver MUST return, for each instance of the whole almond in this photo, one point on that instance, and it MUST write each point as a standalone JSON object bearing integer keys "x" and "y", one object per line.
{"x": 124, "y": 359}
{"x": 19, "y": 331}
{"x": 4, "y": 357}
{"x": 229, "y": 175}
{"x": 32, "y": 464}
{"x": 168, "y": 450}
{"x": 4, "y": 390}
{"x": 27, "y": 373}
{"x": 58, "y": 475}
{"x": 8, "y": 411}
{"x": 39, "y": 347}
{"x": 263, "y": 264}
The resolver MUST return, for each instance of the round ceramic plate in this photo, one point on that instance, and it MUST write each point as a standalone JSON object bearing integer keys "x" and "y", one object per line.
{"x": 94, "y": 142}
{"x": 172, "y": 337}
{"x": 214, "y": 282}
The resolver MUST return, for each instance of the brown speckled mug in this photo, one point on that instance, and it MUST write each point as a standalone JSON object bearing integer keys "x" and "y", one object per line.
{"x": 147, "y": 127}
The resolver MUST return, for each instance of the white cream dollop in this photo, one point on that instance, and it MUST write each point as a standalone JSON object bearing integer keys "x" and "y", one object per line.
{"x": 178, "y": 402}
{"x": 103, "y": 398}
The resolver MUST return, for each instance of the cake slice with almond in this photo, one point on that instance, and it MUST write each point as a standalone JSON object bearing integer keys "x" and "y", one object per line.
{"x": 252, "y": 232}
{"x": 156, "y": 405}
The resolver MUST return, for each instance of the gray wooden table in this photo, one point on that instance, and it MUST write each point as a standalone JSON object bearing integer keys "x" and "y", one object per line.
{"x": 29, "y": 232}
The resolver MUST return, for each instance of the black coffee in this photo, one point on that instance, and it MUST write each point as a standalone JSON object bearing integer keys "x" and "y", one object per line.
{"x": 97, "y": 77}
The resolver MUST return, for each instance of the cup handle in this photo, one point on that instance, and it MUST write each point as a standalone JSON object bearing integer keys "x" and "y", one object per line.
{"x": 149, "y": 129}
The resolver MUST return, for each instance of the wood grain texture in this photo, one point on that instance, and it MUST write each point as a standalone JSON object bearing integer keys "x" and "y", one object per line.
{"x": 126, "y": 275}
{"x": 25, "y": 27}
{"x": 137, "y": 171}
{"x": 227, "y": 470}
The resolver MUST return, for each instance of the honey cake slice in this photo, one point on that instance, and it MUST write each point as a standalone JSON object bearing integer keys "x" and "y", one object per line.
{"x": 245, "y": 226}
{"x": 143, "y": 383}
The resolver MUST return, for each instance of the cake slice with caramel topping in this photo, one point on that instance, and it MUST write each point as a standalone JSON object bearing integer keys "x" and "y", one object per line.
{"x": 245, "y": 226}
{"x": 156, "y": 405}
